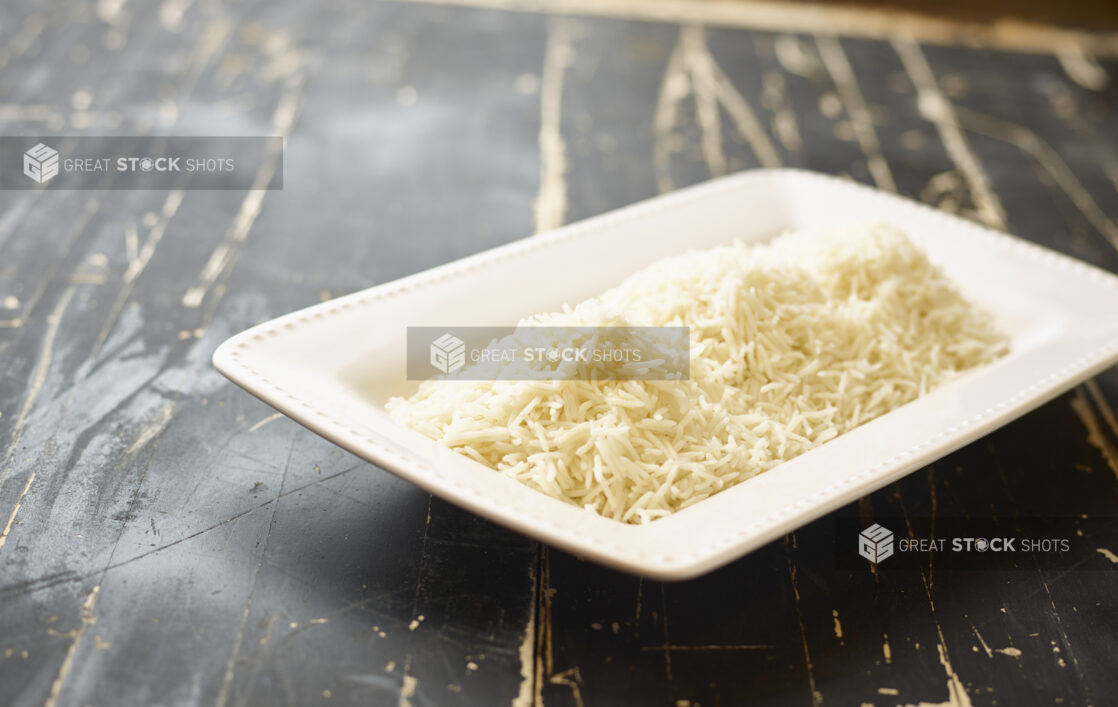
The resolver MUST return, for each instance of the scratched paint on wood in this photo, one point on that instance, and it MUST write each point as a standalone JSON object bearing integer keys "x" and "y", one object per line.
{"x": 167, "y": 539}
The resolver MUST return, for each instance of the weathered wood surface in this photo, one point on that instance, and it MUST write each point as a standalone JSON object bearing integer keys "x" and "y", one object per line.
{"x": 167, "y": 540}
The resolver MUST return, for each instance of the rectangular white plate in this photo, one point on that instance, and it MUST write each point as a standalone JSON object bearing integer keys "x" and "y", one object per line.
{"x": 331, "y": 367}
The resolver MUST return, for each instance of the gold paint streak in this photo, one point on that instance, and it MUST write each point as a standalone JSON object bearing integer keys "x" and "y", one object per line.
{"x": 227, "y": 679}
{"x": 834, "y": 59}
{"x": 135, "y": 267}
{"x": 838, "y": 624}
{"x": 87, "y": 619}
{"x": 775, "y": 97}
{"x": 1010, "y": 651}
{"x": 28, "y": 113}
{"x": 266, "y": 420}
{"x": 150, "y": 431}
{"x": 794, "y": 58}
{"x": 816, "y": 696}
{"x": 667, "y": 639}
{"x": 137, "y": 261}
{"x": 223, "y": 257}
{"x": 738, "y": 108}
{"x": 550, "y": 208}
{"x": 544, "y": 654}
{"x": 1043, "y": 153}
{"x": 131, "y": 243}
{"x": 674, "y": 87}
{"x": 692, "y": 69}
{"x": 712, "y": 647}
{"x": 81, "y": 278}
{"x": 935, "y": 108}
{"x": 209, "y": 44}
{"x": 956, "y": 692}
{"x": 1082, "y": 68}
{"x": 407, "y": 691}
{"x": 982, "y": 642}
{"x": 527, "y": 648}
{"x": 171, "y": 12}
{"x": 572, "y": 679}
{"x": 12, "y": 517}
{"x": 1095, "y": 436}
{"x": 39, "y": 378}
{"x": 807, "y": 18}
{"x": 1104, "y": 407}
{"x": 693, "y": 42}
{"x": 1108, "y": 554}
{"x": 886, "y": 651}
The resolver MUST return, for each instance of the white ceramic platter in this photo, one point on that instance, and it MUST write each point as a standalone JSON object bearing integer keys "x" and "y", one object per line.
{"x": 332, "y": 366}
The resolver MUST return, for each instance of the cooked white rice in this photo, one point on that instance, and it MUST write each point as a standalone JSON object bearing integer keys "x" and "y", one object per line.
{"x": 793, "y": 343}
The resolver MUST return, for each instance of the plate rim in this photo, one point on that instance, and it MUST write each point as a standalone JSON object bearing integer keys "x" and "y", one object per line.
{"x": 627, "y": 553}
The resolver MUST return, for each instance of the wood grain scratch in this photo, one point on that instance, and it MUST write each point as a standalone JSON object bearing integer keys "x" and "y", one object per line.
{"x": 15, "y": 509}
{"x": 956, "y": 691}
{"x": 692, "y": 70}
{"x": 79, "y": 228}
{"x": 1108, "y": 415}
{"x": 38, "y": 379}
{"x": 707, "y": 111}
{"x": 706, "y": 69}
{"x": 137, "y": 263}
{"x": 231, "y": 664}
{"x": 774, "y": 96}
{"x": 711, "y": 647}
{"x": 935, "y": 108}
{"x": 667, "y": 638}
{"x": 637, "y": 611}
{"x": 1082, "y": 68}
{"x": 149, "y": 430}
{"x": 550, "y": 207}
{"x": 982, "y": 641}
{"x": 270, "y": 418}
{"x": 816, "y": 695}
{"x": 674, "y": 87}
{"x": 1095, "y": 435}
{"x": 527, "y": 649}
{"x": 545, "y": 656}
{"x": 572, "y": 678}
{"x": 421, "y": 575}
{"x": 87, "y": 620}
{"x": 223, "y": 257}
{"x": 1064, "y": 639}
{"x": 48, "y": 581}
{"x": 838, "y": 66}
{"x": 1049, "y": 159}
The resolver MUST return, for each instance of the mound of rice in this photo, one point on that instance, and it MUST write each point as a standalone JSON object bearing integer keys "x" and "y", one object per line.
{"x": 793, "y": 343}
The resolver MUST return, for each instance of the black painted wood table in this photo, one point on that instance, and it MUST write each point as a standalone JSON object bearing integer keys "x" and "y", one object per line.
{"x": 168, "y": 540}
